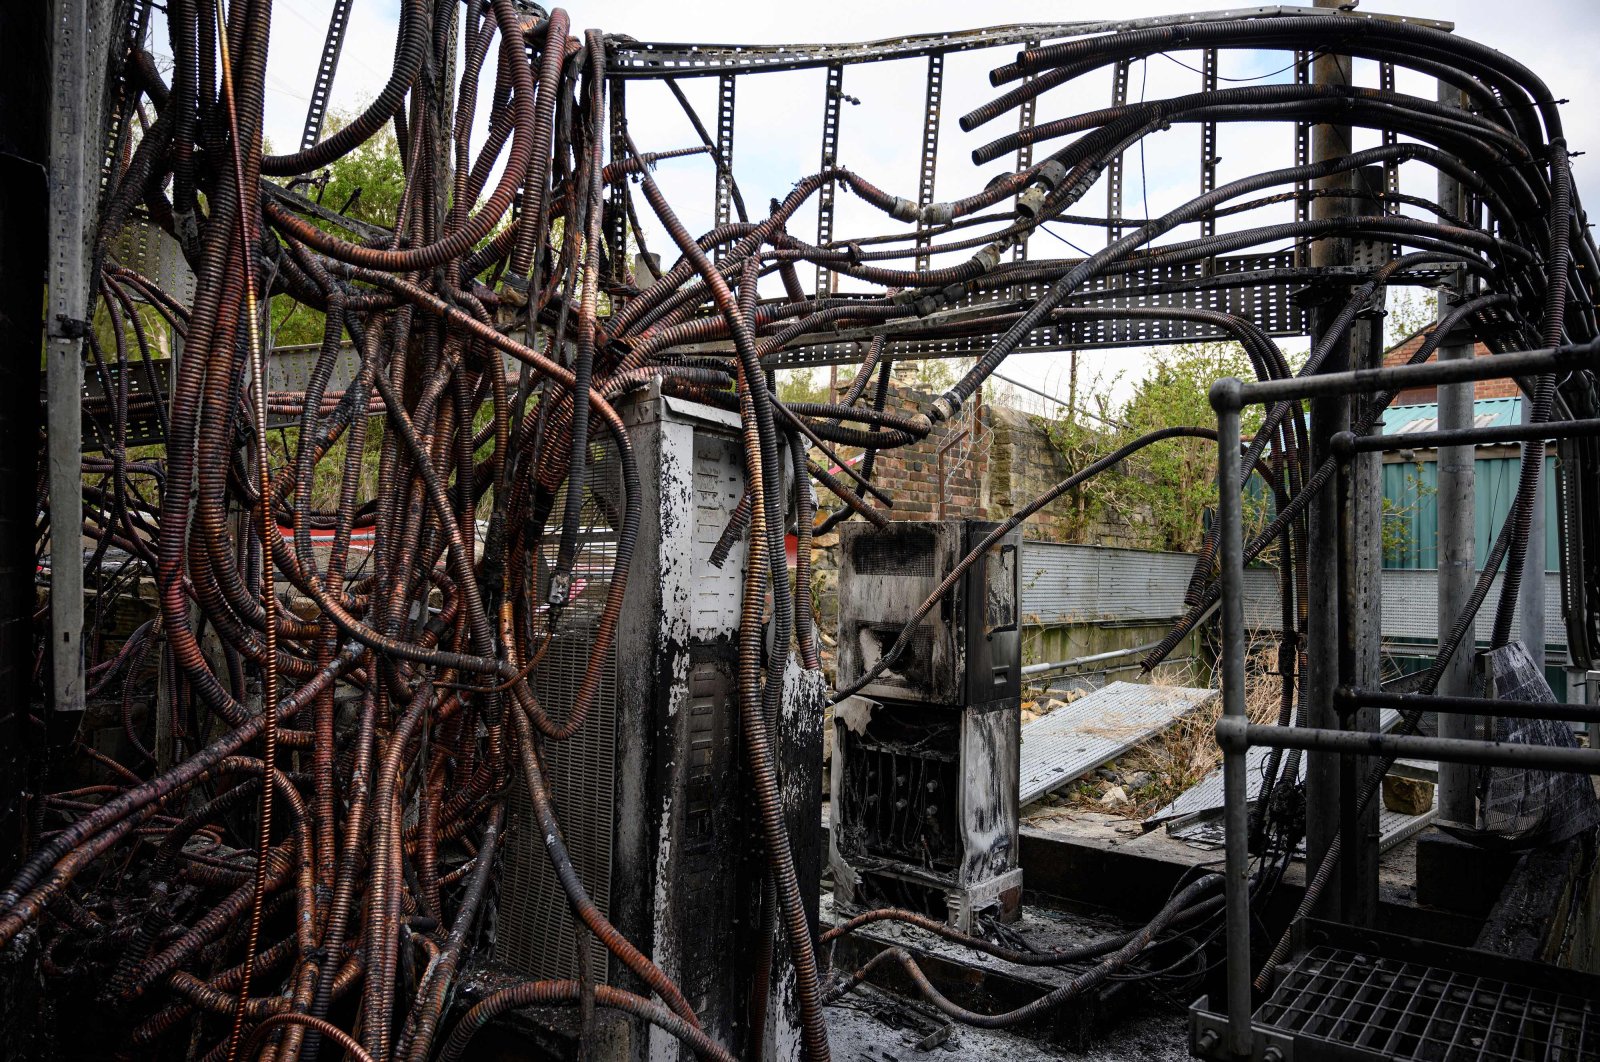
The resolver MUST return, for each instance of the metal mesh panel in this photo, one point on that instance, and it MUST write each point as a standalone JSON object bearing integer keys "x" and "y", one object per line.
{"x": 905, "y": 552}
{"x": 1384, "y": 1008}
{"x": 1530, "y": 806}
{"x": 536, "y": 931}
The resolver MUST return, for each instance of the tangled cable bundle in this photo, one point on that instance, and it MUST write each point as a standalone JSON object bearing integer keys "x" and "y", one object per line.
{"x": 308, "y": 866}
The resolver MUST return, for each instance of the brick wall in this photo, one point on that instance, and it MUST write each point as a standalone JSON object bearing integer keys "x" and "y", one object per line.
{"x": 1402, "y": 352}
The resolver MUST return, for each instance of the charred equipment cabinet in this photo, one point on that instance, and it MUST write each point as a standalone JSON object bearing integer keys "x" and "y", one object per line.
{"x": 652, "y": 793}
{"x": 925, "y": 760}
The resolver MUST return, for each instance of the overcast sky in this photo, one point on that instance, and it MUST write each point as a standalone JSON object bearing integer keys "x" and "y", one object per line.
{"x": 778, "y": 116}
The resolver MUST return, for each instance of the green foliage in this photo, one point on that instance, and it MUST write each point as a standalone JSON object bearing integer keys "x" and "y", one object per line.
{"x": 283, "y": 445}
{"x": 1410, "y": 311}
{"x": 803, "y": 385}
{"x": 1400, "y": 517}
{"x": 1082, "y": 440}
{"x": 1176, "y": 479}
{"x": 367, "y": 185}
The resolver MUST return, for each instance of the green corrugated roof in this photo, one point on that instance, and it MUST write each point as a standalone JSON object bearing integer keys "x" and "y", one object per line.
{"x": 1424, "y": 416}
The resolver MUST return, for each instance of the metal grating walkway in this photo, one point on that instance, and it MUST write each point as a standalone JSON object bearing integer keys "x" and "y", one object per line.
{"x": 1338, "y": 1003}
{"x": 1072, "y": 741}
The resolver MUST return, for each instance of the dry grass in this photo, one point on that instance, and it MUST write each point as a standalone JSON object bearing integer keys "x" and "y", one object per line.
{"x": 1183, "y": 754}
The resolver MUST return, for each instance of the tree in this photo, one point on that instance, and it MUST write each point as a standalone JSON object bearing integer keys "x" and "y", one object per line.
{"x": 1409, "y": 312}
{"x": 1176, "y": 479}
{"x": 366, "y": 185}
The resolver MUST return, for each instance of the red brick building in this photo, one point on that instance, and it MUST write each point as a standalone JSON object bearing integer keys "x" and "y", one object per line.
{"x": 1401, "y": 353}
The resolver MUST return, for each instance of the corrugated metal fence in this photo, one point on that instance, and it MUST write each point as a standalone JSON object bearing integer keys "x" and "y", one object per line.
{"x": 1090, "y": 584}
{"x": 1063, "y": 584}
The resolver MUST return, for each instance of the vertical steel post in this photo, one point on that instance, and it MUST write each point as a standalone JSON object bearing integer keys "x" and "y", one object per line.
{"x": 724, "y": 206}
{"x": 617, "y": 100}
{"x": 1025, "y": 113}
{"x": 1328, "y": 417}
{"x": 322, "y": 86}
{"x": 1119, "y": 98}
{"x": 1225, "y": 400}
{"x": 1208, "y": 143}
{"x": 73, "y": 123}
{"x": 1457, "y": 548}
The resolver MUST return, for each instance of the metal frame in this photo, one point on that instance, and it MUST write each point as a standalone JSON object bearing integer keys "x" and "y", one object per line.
{"x": 644, "y": 59}
{"x": 1236, "y": 734}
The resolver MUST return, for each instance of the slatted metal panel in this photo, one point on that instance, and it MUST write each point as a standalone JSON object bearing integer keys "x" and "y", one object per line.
{"x": 1070, "y": 584}
{"x": 536, "y": 933}
{"x": 669, "y": 58}
{"x": 147, "y": 250}
{"x": 1074, "y": 740}
{"x": 1410, "y": 605}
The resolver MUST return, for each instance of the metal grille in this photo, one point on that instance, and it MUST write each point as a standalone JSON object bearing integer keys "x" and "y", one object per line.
{"x": 537, "y": 933}
{"x": 1375, "y": 1007}
{"x": 909, "y": 553}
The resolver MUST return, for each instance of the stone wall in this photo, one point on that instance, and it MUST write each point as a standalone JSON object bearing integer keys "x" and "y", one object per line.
{"x": 1004, "y": 460}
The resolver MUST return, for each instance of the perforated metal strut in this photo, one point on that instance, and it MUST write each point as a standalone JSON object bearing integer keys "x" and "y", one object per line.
{"x": 833, "y": 96}
{"x": 322, "y": 87}
{"x": 930, "y": 148}
{"x": 725, "y": 102}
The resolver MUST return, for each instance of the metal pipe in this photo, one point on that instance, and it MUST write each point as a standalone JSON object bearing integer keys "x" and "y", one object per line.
{"x": 1235, "y": 795}
{"x": 1467, "y": 438}
{"x": 1566, "y": 358}
{"x": 1454, "y": 750}
{"x": 1095, "y": 658}
{"x": 1467, "y": 706}
{"x": 1530, "y": 592}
